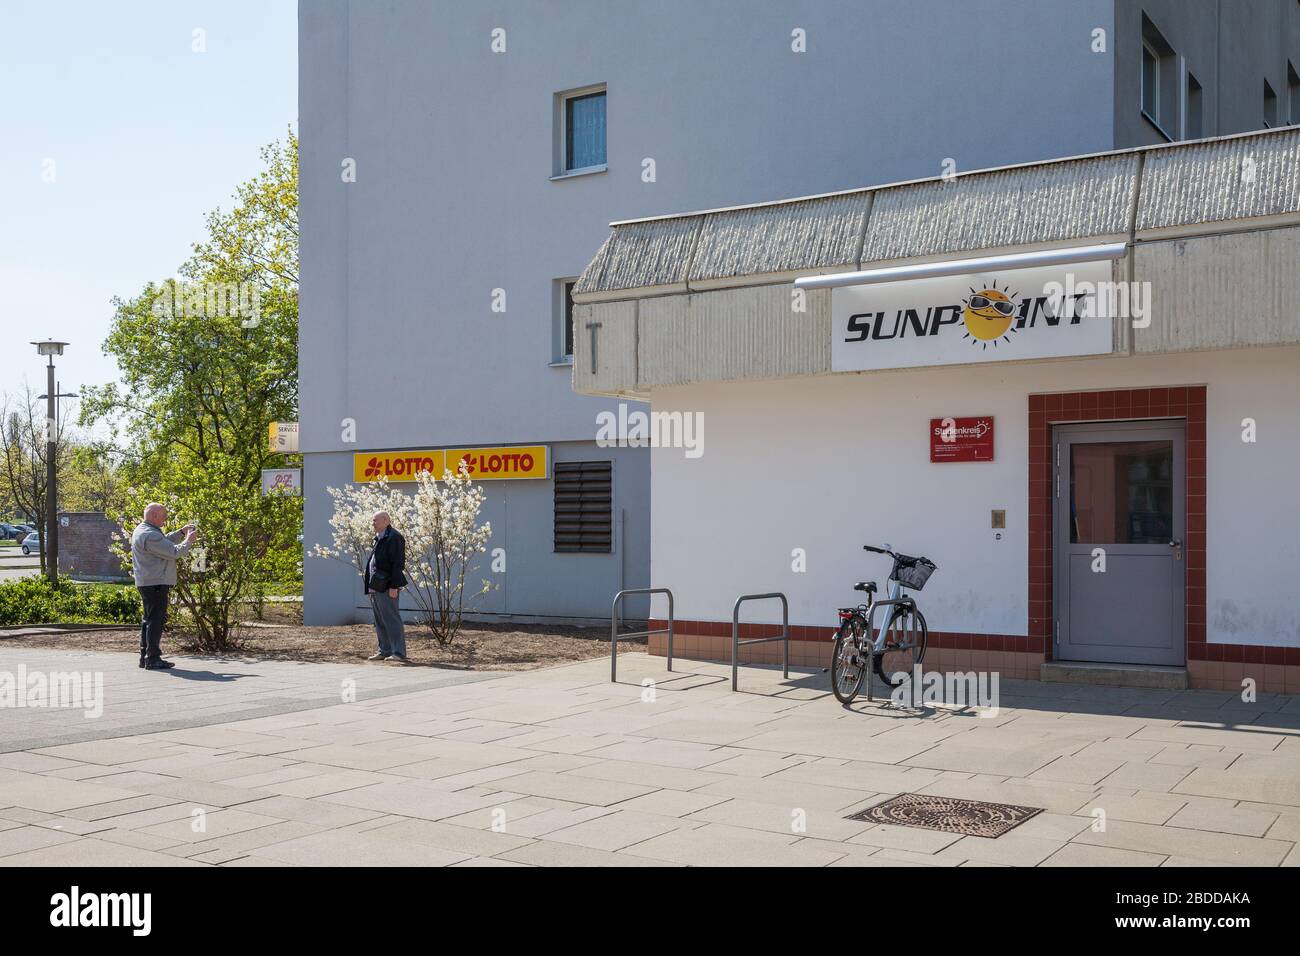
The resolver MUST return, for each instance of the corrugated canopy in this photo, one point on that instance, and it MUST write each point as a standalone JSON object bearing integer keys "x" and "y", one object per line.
{"x": 1153, "y": 190}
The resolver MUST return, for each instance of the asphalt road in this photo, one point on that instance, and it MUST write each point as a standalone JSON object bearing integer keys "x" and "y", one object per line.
{"x": 14, "y": 564}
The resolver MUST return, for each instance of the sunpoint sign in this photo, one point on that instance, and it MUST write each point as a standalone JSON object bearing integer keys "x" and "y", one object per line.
{"x": 1038, "y": 312}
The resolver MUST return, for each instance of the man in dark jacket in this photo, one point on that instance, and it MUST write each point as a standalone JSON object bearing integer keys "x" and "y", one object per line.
{"x": 384, "y": 579}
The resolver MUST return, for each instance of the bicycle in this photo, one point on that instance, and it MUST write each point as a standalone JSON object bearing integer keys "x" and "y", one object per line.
{"x": 900, "y": 644}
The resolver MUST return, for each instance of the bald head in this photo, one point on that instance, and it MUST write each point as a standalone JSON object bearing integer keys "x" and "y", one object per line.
{"x": 155, "y": 514}
{"x": 379, "y": 521}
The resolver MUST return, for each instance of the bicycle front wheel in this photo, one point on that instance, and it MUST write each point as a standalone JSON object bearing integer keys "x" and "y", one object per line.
{"x": 848, "y": 660}
{"x": 905, "y": 641}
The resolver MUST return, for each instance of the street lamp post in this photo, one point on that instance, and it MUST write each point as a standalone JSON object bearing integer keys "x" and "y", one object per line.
{"x": 51, "y": 349}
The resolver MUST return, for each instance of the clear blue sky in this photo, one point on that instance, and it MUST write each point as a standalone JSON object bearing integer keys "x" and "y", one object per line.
{"x": 146, "y": 137}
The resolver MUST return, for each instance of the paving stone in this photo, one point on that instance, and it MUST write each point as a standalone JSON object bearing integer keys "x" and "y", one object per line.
{"x": 618, "y": 830}
{"x": 54, "y": 795}
{"x": 558, "y": 766}
{"x": 719, "y": 845}
{"x": 1078, "y": 854}
{"x": 344, "y": 848}
{"x": 90, "y": 851}
{"x": 818, "y": 822}
{"x": 320, "y": 812}
{"x": 672, "y": 803}
{"x": 1215, "y": 848}
{"x": 24, "y": 838}
{"x": 916, "y": 839}
{"x": 1148, "y": 808}
{"x": 547, "y": 853}
{"x": 480, "y": 842}
{"x": 215, "y": 824}
{"x": 1010, "y": 849}
{"x": 1223, "y": 817}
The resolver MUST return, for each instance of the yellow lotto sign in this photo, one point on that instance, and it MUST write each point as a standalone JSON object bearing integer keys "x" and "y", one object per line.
{"x": 485, "y": 464}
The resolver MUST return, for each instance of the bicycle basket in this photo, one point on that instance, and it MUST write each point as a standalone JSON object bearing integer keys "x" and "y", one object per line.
{"x": 914, "y": 573}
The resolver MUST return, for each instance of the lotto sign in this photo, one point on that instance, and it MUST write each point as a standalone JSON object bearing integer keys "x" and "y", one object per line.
{"x": 485, "y": 464}
{"x": 961, "y": 439}
{"x": 488, "y": 464}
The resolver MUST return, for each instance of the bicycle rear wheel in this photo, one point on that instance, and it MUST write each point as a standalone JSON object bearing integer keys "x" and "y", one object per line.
{"x": 905, "y": 642}
{"x": 848, "y": 660}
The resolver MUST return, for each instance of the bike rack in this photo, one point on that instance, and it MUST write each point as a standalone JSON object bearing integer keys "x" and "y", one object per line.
{"x": 736, "y": 642}
{"x": 615, "y": 637}
{"x": 871, "y": 663}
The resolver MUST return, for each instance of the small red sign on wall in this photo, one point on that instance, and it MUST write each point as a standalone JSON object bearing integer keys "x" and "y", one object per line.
{"x": 961, "y": 439}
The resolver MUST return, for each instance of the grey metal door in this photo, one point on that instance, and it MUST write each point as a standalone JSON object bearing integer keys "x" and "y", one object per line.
{"x": 1118, "y": 568}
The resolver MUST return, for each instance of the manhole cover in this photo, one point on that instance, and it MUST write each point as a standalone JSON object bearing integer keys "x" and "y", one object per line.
{"x": 969, "y": 817}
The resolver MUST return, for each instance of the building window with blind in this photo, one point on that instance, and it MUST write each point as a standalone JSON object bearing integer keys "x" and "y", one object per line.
{"x": 584, "y": 506}
{"x": 580, "y": 122}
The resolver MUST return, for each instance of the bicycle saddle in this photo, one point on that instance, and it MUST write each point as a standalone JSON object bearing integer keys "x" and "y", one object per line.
{"x": 868, "y": 586}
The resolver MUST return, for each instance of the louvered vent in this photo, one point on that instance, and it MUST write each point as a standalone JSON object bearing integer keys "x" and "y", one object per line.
{"x": 584, "y": 498}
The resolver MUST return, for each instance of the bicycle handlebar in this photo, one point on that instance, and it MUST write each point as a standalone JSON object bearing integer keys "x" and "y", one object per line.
{"x": 867, "y": 547}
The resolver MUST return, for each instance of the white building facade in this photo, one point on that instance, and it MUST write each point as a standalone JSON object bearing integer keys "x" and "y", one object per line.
{"x": 1115, "y": 487}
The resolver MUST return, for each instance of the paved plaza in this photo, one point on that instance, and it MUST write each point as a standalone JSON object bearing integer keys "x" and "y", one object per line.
{"x": 243, "y": 763}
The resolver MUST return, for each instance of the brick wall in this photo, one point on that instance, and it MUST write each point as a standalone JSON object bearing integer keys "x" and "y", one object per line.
{"x": 84, "y": 546}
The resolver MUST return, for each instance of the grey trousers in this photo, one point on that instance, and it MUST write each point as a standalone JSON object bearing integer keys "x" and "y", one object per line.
{"x": 388, "y": 624}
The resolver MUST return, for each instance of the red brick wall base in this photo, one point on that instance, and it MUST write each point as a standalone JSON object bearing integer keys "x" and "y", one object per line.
{"x": 810, "y": 646}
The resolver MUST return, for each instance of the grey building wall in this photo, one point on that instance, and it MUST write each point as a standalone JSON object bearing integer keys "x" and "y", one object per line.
{"x": 1230, "y": 46}
{"x": 536, "y": 583}
{"x": 453, "y": 198}
{"x": 452, "y": 145}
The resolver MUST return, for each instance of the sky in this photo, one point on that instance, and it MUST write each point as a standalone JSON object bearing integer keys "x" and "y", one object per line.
{"x": 117, "y": 136}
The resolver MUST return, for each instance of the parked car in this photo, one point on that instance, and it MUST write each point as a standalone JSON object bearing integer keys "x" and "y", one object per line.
{"x": 31, "y": 543}
{"x": 8, "y": 530}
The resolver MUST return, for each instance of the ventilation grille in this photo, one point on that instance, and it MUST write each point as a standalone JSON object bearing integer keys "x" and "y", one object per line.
{"x": 584, "y": 499}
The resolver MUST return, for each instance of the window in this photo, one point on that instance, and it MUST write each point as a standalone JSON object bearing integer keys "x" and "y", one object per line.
{"x": 563, "y": 332}
{"x": 584, "y": 506}
{"x": 1293, "y": 94}
{"x": 1194, "y": 123}
{"x": 582, "y": 120}
{"x": 1270, "y": 105}
{"x": 1159, "y": 80}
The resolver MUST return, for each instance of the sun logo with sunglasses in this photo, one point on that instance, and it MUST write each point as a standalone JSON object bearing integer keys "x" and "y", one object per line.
{"x": 988, "y": 315}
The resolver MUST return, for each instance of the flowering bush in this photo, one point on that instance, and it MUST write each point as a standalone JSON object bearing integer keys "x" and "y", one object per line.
{"x": 443, "y": 535}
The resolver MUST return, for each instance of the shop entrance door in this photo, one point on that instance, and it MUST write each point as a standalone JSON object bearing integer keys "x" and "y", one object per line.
{"x": 1118, "y": 562}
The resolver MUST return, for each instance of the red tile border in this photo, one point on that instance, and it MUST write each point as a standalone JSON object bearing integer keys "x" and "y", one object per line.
{"x": 1186, "y": 402}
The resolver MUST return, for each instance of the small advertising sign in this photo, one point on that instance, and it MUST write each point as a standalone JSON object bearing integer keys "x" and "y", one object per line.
{"x": 961, "y": 439}
{"x": 281, "y": 481}
{"x": 284, "y": 438}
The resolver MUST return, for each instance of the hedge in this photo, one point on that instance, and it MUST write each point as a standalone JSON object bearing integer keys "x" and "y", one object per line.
{"x": 33, "y": 601}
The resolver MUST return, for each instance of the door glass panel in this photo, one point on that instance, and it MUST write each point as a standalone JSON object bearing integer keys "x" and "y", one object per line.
{"x": 1122, "y": 492}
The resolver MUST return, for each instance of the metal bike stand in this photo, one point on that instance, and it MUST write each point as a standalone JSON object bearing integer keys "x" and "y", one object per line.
{"x": 615, "y": 636}
{"x": 736, "y": 642}
{"x": 871, "y": 641}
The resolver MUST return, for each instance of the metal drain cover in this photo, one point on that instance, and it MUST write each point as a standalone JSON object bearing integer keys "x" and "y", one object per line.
{"x": 950, "y": 814}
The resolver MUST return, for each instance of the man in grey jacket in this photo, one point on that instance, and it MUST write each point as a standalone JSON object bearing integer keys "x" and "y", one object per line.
{"x": 153, "y": 562}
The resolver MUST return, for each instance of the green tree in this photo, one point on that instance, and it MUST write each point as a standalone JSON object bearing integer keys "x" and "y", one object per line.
{"x": 208, "y": 361}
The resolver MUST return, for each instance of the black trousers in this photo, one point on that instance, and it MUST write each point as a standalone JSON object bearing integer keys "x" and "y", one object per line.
{"x": 154, "y": 598}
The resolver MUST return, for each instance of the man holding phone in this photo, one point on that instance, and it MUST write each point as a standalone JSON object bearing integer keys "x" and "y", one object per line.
{"x": 153, "y": 563}
{"x": 384, "y": 579}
